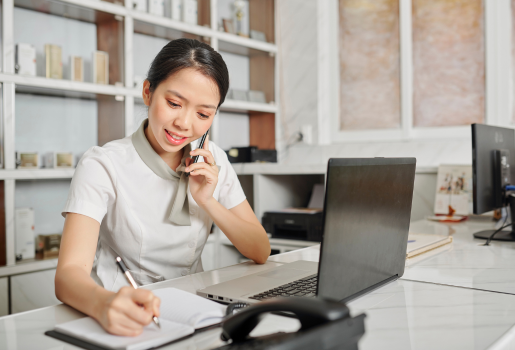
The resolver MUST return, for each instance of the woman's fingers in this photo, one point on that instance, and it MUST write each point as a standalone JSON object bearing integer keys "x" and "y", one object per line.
{"x": 194, "y": 168}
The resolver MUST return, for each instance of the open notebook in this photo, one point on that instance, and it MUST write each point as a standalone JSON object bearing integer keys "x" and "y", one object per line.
{"x": 181, "y": 314}
{"x": 419, "y": 243}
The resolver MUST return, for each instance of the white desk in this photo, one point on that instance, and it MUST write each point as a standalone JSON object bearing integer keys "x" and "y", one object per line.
{"x": 402, "y": 315}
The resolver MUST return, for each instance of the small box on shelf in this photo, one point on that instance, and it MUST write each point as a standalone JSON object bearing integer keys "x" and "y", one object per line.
{"x": 76, "y": 68}
{"x": 140, "y": 5}
{"x": 190, "y": 11}
{"x": 156, "y": 7}
{"x": 256, "y": 96}
{"x": 27, "y": 160}
{"x": 24, "y": 231}
{"x": 47, "y": 246}
{"x": 25, "y": 57}
{"x": 176, "y": 10}
{"x": 58, "y": 160}
{"x": 251, "y": 154}
{"x": 54, "y": 63}
{"x": 100, "y": 67}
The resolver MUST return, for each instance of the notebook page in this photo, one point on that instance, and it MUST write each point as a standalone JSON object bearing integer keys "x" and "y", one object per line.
{"x": 90, "y": 330}
{"x": 186, "y": 308}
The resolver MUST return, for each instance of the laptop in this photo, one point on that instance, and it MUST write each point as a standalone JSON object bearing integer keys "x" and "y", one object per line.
{"x": 367, "y": 210}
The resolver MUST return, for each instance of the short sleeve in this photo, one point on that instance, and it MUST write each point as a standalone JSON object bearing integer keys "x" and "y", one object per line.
{"x": 92, "y": 188}
{"x": 231, "y": 192}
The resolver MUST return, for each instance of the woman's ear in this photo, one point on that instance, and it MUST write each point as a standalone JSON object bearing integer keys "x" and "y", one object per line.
{"x": 146, "y": 92}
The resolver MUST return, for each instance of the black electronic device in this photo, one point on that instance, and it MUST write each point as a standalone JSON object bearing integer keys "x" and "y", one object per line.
{"x": 301, "y": 224}
{"x": 251, "y": 154}
{"x": 493, "y": 160}
{"x": 324, "y": 325}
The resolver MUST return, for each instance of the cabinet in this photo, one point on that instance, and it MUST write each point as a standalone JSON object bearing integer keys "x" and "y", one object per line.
{"x": 44, "y": 115}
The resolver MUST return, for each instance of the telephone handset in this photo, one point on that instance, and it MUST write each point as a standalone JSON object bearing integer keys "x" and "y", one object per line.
{"x": 323, "y": 322}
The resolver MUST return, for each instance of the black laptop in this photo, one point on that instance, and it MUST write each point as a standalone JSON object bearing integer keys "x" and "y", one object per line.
{"x": 367, "y": 212}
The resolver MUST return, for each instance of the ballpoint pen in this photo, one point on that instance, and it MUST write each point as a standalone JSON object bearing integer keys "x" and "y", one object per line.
{"x": 200, "y": 145}
{"x": 131, "y": 280}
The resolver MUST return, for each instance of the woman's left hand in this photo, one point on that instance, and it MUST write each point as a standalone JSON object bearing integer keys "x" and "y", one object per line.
{"x": 203, "y": 175}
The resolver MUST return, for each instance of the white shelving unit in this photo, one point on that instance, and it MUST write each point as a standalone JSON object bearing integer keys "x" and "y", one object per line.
{"x": 131, "y": 23}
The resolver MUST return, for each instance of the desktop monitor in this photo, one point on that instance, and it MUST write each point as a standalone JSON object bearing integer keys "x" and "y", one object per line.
{"x": 493, "y": 163}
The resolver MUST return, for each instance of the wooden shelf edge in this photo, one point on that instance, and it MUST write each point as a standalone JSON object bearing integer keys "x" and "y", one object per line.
{"x": 36, "y": 174}
{"x": 66, "y": 85}
{"x": 28, "y": 266}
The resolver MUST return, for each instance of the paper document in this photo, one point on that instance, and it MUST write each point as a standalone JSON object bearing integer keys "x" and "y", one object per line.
{"x": 419, "y": 243}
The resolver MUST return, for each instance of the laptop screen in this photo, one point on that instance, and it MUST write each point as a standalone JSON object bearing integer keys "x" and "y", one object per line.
{"x": 367, "y": 215}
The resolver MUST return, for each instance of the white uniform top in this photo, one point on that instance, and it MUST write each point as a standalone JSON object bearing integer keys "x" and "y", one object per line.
{"x": 114, "y": 186}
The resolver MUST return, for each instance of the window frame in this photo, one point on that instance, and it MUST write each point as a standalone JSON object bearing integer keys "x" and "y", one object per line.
{"x": 498, "y": 85}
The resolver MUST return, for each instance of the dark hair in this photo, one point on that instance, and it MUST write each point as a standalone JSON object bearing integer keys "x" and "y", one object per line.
{"x": 189, "y": 53}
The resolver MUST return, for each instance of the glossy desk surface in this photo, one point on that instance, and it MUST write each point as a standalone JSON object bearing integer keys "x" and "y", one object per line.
{"x": 455, "y": 297}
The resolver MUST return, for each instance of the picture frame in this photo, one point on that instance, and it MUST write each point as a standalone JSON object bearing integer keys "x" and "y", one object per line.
{"x": 228, "y": 25}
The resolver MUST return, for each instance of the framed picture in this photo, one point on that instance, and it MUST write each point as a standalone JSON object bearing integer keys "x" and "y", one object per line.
{"x": 228, "y": 25}
{"x": 454, "y": 190}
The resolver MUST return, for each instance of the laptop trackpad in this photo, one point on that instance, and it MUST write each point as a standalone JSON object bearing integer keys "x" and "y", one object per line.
{"x": 283, "y": 274}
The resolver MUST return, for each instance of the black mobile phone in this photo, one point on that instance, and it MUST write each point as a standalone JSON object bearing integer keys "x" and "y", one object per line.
{"x": 200, "y": 145}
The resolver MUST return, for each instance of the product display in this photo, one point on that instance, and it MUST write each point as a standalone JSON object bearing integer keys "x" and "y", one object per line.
{"x": 190, "y": 9}
{"x": 156, "y": 7}
{"x": 28, "y": 160}
{"x": 25, "y": 59}
{"x": 47, "y": 246}
{"x": 176, "y": 10}
{"x": 63, "y": 160}
{"x": 100, "y": 67}
{"x": 54, "y": 63}
{"x": 76, "y": 68}
{"x": 24, "y": 230}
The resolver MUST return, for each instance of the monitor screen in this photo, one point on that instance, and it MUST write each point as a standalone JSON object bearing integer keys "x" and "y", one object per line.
{"x": 486, "y": 140}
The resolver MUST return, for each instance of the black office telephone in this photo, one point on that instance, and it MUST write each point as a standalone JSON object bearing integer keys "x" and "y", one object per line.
{"x": 324, "y": 325}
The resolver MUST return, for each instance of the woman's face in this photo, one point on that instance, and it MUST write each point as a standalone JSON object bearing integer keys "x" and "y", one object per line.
{"x": 181, "y": 109}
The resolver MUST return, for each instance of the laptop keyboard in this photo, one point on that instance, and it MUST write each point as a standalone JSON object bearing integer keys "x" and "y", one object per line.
{"x": 304, "y": 287}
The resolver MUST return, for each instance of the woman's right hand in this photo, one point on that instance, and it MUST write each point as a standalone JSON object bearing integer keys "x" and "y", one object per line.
{"x": 128, "y": 311}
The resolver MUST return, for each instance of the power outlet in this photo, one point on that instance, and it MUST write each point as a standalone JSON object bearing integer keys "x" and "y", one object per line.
{"x": 307, "y": 134}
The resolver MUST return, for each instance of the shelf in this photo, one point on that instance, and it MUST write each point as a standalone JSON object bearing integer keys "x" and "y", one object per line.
{"x": 143, "y": 23}
{"x": 36, "y": 174}
{"x": 233, "y": 43}
{"x": 281, "y": 169}
{"x": 277, "y": 169}
{"x": 245, "y": 106}
{"x": 63, "y": 87}
{"x": 83, "y": 10}
{"x": 30, "y": 265}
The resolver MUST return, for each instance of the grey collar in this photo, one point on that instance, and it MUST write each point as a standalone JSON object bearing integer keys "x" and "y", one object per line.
{"x": 180, "y": 213}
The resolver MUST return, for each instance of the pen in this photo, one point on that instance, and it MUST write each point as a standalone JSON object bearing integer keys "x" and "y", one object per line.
{"x": 131, "y": 280}
{"x": 200, "y": 145}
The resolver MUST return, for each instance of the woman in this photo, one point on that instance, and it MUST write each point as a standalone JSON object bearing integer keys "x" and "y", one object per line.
{"x": 131, "y": 197}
